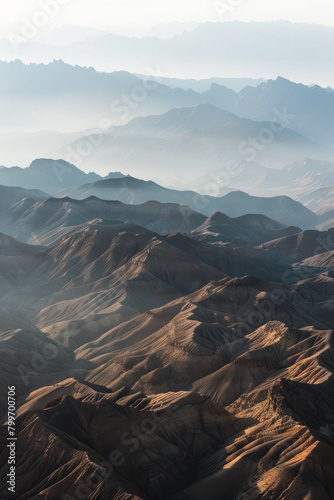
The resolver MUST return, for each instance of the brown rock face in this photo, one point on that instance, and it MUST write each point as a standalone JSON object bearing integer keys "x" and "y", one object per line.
{"x": 166, "y": 367}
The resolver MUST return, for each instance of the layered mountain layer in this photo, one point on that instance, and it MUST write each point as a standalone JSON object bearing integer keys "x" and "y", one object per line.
{"x": 151, "y": 364}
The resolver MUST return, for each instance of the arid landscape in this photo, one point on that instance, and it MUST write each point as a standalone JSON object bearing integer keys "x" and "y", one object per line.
{"x": 166, "y": 255}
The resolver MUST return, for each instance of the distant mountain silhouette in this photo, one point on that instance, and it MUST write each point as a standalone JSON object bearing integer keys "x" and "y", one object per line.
{"x": 235, "y": 204}
{"x": 221, "y": 48}
{"x": 302, "y": 106}
{"x": 280, "y": 208}
{"x": 63, "y": 179}
{"x": 134, "y": 191}
{"x": 31, "y": 216}
{"x": 59, "y": 99}
{"x": 58, "y": 96}
{"x": 49, "y": 176}
{"x": 202, "y": 85}
{"x": 297, "y": 180}
{"x": 249, "y": 229}
{"x": 190, "y": 141}
{"x": 46, "y": 175}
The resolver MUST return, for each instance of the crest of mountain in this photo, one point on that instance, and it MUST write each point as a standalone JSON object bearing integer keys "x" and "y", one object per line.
{"x": 180, "y": 121}
{"x": 292, "y": 102}
{"x": 203, "y": 85}
{"x": 32, "y": 217}
{"x": 46, "y": 175}
{"x": 281, "y": 208}
{"x": 115, "y": 175}
{"x": 291, "y": 105}
{"x": 134, "y": 191}
{"x": 304, "y": 245}
{"x": 249, "y": 229}
{"x": 204, "y": 117}
{"x": 47, "y": 221}
{"x": 130, "y": 190}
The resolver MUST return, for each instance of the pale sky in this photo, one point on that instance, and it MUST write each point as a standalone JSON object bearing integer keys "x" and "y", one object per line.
{"x": 137, "y": 16}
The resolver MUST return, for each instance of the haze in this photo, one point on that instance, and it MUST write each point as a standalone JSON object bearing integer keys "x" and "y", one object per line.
{"x": 167, "y": 250}
{"x": 131, "y": 16}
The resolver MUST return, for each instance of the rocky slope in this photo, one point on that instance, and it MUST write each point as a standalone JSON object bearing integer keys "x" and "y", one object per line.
{"x": 168, "y": 367}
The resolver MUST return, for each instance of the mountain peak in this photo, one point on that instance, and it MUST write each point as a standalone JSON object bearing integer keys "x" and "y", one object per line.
{"x": 218, "y": 218}
{"x": 47, "y": 163}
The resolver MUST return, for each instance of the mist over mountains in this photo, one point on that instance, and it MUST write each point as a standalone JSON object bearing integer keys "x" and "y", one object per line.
{"x": 167, "y": 262}
{"x": 120, "y": 96}
{"x": 263, "y": 49}
{"x": 68, "y": 183}
{"x": 297, "y": 181}
{"x": 84, "y": 117}
{"x": 236, "y": 84}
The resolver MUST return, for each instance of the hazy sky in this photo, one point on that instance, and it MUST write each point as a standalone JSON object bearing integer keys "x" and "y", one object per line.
{"x": 139, "y": 15}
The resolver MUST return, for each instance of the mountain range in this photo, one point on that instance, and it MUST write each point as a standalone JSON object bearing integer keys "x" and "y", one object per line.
{"x": 298, "y": 180}
{"x": 204, "y": 84}
{"x": 32, "y": 217}
{"x": 308, "y": 181}
{"x": 83, "y": 116}
{"x": 166, "y": 343}
{"x": 45, "y": 175}
{"x": 151, "y": 364}
{"x": 255, "y": 49}
{"x": 58, "y": 178}
{"x": 191, "y": 141}
{"x": 79, "y": 98}
{"x": 167, "y": 259}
